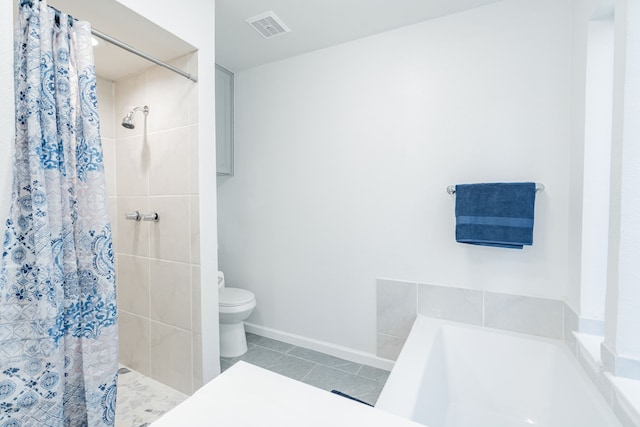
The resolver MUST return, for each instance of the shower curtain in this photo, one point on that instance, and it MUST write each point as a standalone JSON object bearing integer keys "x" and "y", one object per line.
{"x": 58, "y": 329}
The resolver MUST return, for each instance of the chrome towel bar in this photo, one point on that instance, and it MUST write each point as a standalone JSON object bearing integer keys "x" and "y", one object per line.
{"x": 451, "y": 189}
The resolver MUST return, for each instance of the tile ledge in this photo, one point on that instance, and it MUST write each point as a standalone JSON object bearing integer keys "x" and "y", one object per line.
{"x": 591, "y": 346}
{"x": 626, "y": 390}
{"x": 628, "y": 394}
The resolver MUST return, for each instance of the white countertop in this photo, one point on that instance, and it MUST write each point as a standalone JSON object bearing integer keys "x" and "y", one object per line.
{"x": 246, "y": 395}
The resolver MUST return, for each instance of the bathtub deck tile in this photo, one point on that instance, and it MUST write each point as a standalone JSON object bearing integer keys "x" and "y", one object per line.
{"x": 529, "y": 315}
{"x": 459, "y": 305}
{"x": 396, "y": 307}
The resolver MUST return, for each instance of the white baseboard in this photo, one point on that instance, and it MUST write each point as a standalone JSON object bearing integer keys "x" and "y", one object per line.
{"x": 346, "y": 353}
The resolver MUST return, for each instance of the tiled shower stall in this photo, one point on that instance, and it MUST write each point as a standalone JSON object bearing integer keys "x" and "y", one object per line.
{"x": 154, "y": 168}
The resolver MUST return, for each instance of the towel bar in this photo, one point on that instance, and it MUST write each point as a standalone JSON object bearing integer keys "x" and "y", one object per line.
{"x": 451, "y": 189}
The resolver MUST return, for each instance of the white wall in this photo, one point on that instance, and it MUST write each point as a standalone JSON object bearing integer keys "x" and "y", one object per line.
{"x": 343, "y": 156}
{"x": 597, "y": 164}
{"x": 591, "y": 88}
{"x": 623, "y": 294}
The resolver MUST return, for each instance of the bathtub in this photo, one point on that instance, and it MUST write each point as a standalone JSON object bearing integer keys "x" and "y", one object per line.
{"x": 455, "y": 375}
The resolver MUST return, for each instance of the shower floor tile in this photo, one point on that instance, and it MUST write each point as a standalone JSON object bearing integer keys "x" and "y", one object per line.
{"x": 142, "y": 400}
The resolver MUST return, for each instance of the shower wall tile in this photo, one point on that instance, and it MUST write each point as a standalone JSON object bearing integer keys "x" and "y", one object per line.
{"x": 134, "y": 342}
{"x": 133, "y": 284}
{"x": 109, "y": 156}
{"x": 164, "y": 84}
{"x": 459, "y": 305}
{"x": 156, "y": 168}
{"x": 396, "y": 307}
{"x": 132, "y": 160}
{"x": 105, "y": 107}
{"x": 198, "y": 380}
{"x": 170, "y": 237}
{"x": 171, "y": 356}
{"x": 193, "y": 94}
{"x": 170, "y": 293}
{"x": 113, "y": 219}
{"x": 133, "y": 236}
{"x": 131, "y": 92}
{"x": 196, "y": 310}
{"x": 536, "y": 316}
{"x": 194, "y": 213}
{"x": 194, "y": 158}
{"x": 169, "y": 162}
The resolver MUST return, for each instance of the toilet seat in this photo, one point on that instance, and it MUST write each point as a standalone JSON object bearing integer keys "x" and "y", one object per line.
{"x": 234, "y": 297}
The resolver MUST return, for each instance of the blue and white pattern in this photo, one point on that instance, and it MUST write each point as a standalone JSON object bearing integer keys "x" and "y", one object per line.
{"x": 58, "y": 315}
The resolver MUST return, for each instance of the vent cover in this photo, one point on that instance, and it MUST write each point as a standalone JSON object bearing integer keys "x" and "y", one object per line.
{"x": 268, "y": 25}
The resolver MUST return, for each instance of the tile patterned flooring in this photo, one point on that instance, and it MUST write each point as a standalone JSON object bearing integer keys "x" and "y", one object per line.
{"x": 312, "y": 367}
{"x": 142, "y": 400}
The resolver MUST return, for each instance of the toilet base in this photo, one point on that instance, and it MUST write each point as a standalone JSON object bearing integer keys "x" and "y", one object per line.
{"x": 233, "y": 340}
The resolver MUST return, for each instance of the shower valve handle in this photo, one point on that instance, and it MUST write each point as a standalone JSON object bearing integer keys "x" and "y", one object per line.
{"x": 133, "y": 216}
{"x": 153, "y": 216}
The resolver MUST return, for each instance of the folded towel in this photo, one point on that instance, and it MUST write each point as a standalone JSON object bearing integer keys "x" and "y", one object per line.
{"x": 499, "y": 214}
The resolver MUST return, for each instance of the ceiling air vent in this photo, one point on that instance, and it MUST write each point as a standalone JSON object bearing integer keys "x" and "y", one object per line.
{"x": 268, "y": 25}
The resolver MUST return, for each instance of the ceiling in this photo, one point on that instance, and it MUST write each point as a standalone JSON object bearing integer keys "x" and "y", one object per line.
{"x": 316, "y": 24}
{"x": 118, "y": 21}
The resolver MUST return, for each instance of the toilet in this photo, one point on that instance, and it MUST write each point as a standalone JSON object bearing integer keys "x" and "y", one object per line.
{"x": 234, "y": 306}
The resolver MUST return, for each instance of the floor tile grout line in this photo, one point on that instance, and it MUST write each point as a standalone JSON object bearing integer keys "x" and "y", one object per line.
{"x": 360, "y": 365}
{"x": 307, "y": 374}
{"x": 316, "y": 364}
{"x": 359, "y": 369}
{"x": 293, "y": 347}
{"x": 288, "y": 353}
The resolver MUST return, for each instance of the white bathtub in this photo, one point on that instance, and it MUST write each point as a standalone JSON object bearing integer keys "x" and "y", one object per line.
{"x": 455, "y": 375}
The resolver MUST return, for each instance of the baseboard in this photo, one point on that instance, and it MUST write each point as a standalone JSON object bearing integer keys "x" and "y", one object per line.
{"x": 346, "y": 353}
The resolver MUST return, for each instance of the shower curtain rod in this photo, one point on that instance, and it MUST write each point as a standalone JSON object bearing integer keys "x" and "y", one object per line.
{"x": 141, "y": 54}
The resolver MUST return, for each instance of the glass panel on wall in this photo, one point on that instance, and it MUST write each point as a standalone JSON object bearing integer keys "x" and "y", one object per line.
{"x": 224, "y": 121}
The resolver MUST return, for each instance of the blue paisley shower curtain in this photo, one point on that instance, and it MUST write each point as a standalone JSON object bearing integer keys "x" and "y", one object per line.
{"x": 58, "y": 331}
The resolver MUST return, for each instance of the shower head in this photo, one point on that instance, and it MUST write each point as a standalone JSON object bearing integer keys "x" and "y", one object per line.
{"x": 128, "y": 121}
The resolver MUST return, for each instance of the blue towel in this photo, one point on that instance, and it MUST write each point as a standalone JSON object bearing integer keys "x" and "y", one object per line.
{"x": 499, "y": 214}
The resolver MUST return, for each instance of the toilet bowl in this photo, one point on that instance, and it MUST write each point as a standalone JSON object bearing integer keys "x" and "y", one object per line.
{"x": 234, "y": 306}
